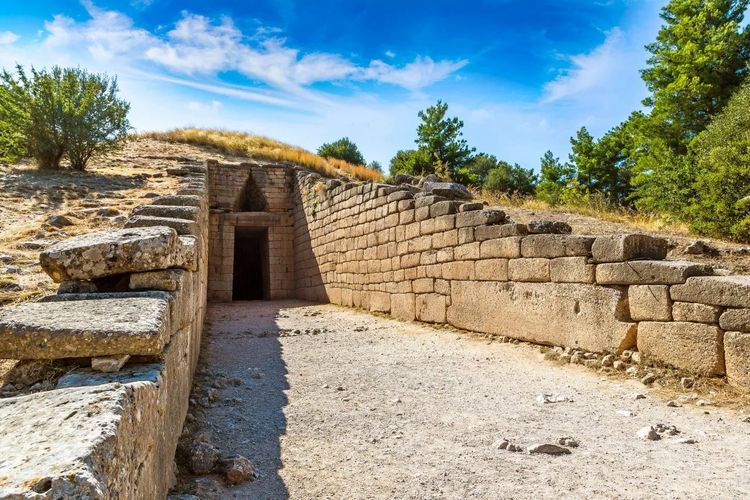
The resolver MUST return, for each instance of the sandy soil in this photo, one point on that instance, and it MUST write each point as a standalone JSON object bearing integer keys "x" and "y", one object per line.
{"x": 335, "y": 403}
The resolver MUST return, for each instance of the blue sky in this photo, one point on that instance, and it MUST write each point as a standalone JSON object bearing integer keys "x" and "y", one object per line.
{"x": 522, "y": 75}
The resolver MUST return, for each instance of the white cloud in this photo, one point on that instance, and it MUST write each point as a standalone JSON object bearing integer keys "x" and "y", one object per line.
{"x": 416, "y": 75}
{"x": 8, "y": 37}
{"x": 588, "y": 70}
{"x": 390, "y": 54}
{"x": 200, "y": 46}
{"x": 203, "y": 107}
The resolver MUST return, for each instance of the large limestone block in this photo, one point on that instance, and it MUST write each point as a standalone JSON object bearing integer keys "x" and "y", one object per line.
{"x": 735, "y": 319}
{"x": 572, "y": 270}
{"x": 694, "y": 347}
{"x": 623, "y": 247}
{"x": 431, "y": 308}
{"x": 649, "y": 272}
{"x": 402, "y": 306}
{"x": 449, "y": 190}
{"x": 379, "y": 302}
{"x": 183, "y": 227}
{"x": 84, "y": 328}
{"x": 728, "y": 291}
{"x": 695, "y": 313}
{"x": 75, "y": 443}
{"x": 582, "y": 316}
{"x": 534, "y": 270}
{"x": 178, "y": 200}
{"x": 737, "y": 356}
{"x": 650, "y": 303}
{"x": 556, "y": 245}
{"x": 107, "y": 253}
{"x": 174, "y": 211}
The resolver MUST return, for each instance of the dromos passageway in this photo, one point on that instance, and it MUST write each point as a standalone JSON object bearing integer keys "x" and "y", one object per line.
{"x": 333, "y": 403}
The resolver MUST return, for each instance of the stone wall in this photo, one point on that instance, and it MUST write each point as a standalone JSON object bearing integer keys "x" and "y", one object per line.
{"x": 131, "y": 305}
{"x": 418, "y": 256}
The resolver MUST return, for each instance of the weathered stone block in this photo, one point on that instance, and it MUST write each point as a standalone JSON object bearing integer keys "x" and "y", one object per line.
{"x": 402, "y": 306}
{"x": 694, "y": 347}
{"x": 480, "y": 217}
{"x": 549, "y": 227}
{"x": 556, "y": 245}
{"x": 528, "y": 270}
{"x": 467, "y": 251}
{"x": 575, "y": 315}
{"x": 444, "y": 208}
{"x": 169, "y": 280}
{"x": 650, "y": 303}
{"x": 107, "y": 253}
{"x": 728, "y": 291}
{"x": 178, "y": 200}
{"x": 572, "y": 270}
{"x": 431, "y": 308}
{"x": 623, "y": 247}
{"x": 736, "y": 320}
{"x": 379, "y": 302}
{"x": 471, "y": 206}
{"x": 458, "y": 270}
{"x": 737, "y": 358}
{"x": 648, "y": 272}
{"x": 173, "y": 211}
{"x": 491, "y": 270}
{"x": 427, "y": 200}
{"x": 695, "y": 313}
{"x": 84, "y": 328}
{"x": 507, "y": 248}
{"x": 182, "y": 226}
{"x": 449, "y": 190}
{"x": 482, "y": 233}
{"x": 423, "y": 285}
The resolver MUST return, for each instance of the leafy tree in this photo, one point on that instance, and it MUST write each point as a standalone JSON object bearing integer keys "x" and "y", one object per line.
{"x": 583, "y": 158}
{"x": 342, "y": 149}
{"x": 555, "y": 177}
{"x": 413, "y": 162}
{"x": 48, "y": 115}
{"x": 375, "y": 165}
{"x": 722, "y": 194}
{"x": 699, "y": 58}
{"x": 477, "y": 170}
{"x": 441, "y": 138}
{"x": 511, "y": 179}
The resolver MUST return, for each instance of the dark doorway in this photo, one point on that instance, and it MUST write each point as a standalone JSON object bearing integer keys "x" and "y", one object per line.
{"x": 250, "y": 264}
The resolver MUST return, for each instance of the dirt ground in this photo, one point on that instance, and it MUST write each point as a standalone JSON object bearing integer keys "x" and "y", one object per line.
{"x": 334, "y": 403}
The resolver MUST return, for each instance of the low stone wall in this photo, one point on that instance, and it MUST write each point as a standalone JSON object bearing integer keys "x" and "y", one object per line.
{"x": 420, "y": 256}
{"x": 135, "y": 296}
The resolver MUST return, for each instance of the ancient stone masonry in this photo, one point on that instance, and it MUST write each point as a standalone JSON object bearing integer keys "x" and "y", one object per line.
{"x": 131, "y": 304}
{"x": 438, "y": 258}
{"x": 251, "y": 196}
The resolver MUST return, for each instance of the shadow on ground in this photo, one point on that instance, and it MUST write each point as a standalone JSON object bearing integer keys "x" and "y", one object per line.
{"x": 239, "y": 398}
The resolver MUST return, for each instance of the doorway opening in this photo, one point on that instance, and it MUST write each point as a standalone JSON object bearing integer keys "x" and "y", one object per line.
{"x": 250, "y": 278}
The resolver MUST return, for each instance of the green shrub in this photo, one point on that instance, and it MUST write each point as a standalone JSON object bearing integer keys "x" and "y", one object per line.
{"x": 511, "y": 179}
{"x": 413, "y": 162}
{"x": 48, "y": 115}
{"x": 722, "y": 195}
{"x": 343, "y": 149}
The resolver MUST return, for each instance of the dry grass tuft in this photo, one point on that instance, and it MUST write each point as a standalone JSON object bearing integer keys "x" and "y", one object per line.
{"x": 255, "y": 146}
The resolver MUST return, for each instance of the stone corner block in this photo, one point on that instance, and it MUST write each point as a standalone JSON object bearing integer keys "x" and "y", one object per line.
{"x": 694, "y": 347}
{"x": 85, "y": 328}
{"x": 622, "y": 247}
{"x": 108, "y": 253}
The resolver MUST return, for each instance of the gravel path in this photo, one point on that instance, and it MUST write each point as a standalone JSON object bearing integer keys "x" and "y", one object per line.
{"x": 335, "y": 403}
